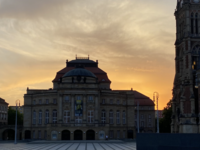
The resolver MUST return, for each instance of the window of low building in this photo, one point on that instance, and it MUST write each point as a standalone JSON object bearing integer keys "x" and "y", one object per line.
{"x": 45, "y": 134}
{"x": 111, "y": 117}
{"x": 111, "y": 134}
{"x": 142, "y": 123}
{"x": 78, "y": 120}
{"x": 55, "y": 101}
{"x": 124, "y": 134}
{"x": 118, "y": 102}
{"x": 90, "y": 116}
{"x": 90, "y": 98}
{"x": 34, "y": 117}
{"x": 40, "y": 101}
{"x": 103, "y": 101}
{"x": 66, "y": 98}
{"x": 33, "y": 134}
{"x": 103, "y": 117}
{"x": 124, "y": 117}
{"x": 149, "y": 119}
{"x": 118, "y": 134}
{"x": 47, "y": 117}
{"x": 118, "y": 117}
{"x": 47, "y": 101}
{"x": 111, "y": 101}
{"x": 40, "y": 117}
{"x": 124, "y": 102}
{"x": 39, "y": 134}
{"x": 66, "y": 116}
{"x": 34, "y": 102}
{"x": 54, "y": 116}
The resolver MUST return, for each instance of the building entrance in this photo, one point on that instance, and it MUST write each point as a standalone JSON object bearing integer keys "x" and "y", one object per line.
{"x": 90, "y": 135}
{"x": 66, "y": 135}
{"x": 78, "y": 135}
{"x": 8, "y": 134}
{"x": 27, "y": 134}
{"x": 130, "y": 134}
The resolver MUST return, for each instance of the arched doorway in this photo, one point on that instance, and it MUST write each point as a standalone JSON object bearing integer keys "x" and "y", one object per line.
{"x": 78, "y": 135}
{"x": 90, "y": 135}
{"x": 8, "y": 134}
{"x": 27, "y": 134}
{"x": 65, "y": 135}
{"x": 130, "y": 134}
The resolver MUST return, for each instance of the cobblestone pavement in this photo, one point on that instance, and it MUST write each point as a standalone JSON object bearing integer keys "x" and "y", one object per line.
{"x": 69, "y": 146}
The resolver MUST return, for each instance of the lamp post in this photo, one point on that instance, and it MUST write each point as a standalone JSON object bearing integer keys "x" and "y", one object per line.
{"x": 155, "y": 97}
{"x": 17, "y": 102}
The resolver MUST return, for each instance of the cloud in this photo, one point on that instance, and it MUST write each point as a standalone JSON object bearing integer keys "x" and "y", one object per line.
{"x": 131, "y": 39}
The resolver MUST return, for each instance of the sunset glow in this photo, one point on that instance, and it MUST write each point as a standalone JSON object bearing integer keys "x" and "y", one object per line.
{"x": 132, "y": 40}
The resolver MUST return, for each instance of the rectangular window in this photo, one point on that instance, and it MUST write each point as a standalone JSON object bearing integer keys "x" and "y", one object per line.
{"x": 33, "y": 134}
{"x": 40, "y": 101}
{"x": 111, "y": 101}
{"x": 142, "y": 124}
{"x": 47, "y": 101}
{"x": 149, "y": 119}
{"x": 34, "y": 117}
{"x": 111, "y": 134}
{"x": 40, "y": 117}
{"x": 90, "y": 116}
{"x": 55, "y": 101}
{"x": 124, "y": 117}
{"x": 118, "y": 117}
{"x": 103, "y": 117}
{"x": 118, "y": 134}
{"x": 90, "y": 98}
{"x": 78, "y": 98}
{"x": 111, "y": 117}
{"x": 103, "y": 101}
{"x": 66, "y": 98}
{"x": 45, "y": 134}
{"x": 186, "y": 61}
{"x": 39, "y": 134}
{"x": 78, "y": 121}
{"x": 124, "y": 134}
{"x": 54, "y": 116}
{"x": 66, "y": 116}
{"x": 47, "y": 117}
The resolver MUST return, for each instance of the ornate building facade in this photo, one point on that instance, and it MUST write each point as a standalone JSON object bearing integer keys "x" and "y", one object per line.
{"x": 185, "y": 102}
{"x": 81, "y": 105}
{"x": 3, "y": 112}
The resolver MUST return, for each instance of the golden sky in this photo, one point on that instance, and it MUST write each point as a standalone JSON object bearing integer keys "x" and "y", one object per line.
{"x": 133, "y": 40}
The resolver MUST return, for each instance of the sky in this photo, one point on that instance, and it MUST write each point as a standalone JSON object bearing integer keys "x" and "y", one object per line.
{"x": 133, "y": 41}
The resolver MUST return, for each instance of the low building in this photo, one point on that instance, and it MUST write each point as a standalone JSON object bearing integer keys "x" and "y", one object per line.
{"x": 3, "y": 112}
{"x": 81, "y": 105}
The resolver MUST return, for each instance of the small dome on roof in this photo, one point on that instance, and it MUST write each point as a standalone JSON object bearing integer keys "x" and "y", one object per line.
{"x": 79, "y": 72}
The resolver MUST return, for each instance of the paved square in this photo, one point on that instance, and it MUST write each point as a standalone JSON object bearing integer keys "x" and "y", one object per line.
{"x": 69, "y": 146}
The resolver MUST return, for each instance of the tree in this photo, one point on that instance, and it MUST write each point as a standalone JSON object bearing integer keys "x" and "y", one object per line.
{"x": 12, "y": 116}
{"x": 165, "y": 122}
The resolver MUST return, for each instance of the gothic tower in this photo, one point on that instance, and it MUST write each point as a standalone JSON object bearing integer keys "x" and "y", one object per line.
{"x": 186, "y": 98}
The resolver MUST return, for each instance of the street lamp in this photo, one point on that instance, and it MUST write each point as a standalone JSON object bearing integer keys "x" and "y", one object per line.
{"x": 17, "y": 102}
{"x": 155, "y": 97}
{"x": 137, "y": 116}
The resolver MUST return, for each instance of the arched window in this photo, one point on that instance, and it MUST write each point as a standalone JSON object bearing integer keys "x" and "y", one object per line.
{"x": 111, "y": 117}
{"x": 124, "y": 117}
{"x": 54, "y": 116}
{"x": 192, "y": 23}
{"x": 196, "y": 23}
{"x": 90, "y": 116}
{"x": 34, "y": 117}
{"x": 103, "y": 116}
{"x": 40, "y": 117}
{"x": 66, "y": 116}
{"x": 47, "y": 117}
{"x": 118, "y": 117}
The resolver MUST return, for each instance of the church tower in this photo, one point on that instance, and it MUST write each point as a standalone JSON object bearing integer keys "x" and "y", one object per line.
{"x": 186, "y": 98}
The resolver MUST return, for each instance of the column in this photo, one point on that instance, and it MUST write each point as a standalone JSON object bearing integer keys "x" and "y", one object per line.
{"x": 84, "y": 109}
{"x": 60, "y": 120}
{"x": 72, "y": 109}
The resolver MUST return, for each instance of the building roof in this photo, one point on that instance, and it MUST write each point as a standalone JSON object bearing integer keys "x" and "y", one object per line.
{"x": 3, "y": 101}
{"x": 142, "y": 99}
{"x": 82, "y": 61}
{"x": 79, "y": 72}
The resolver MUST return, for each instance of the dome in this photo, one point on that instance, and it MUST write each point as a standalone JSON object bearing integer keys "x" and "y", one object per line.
{"x": 79, "y": 72}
